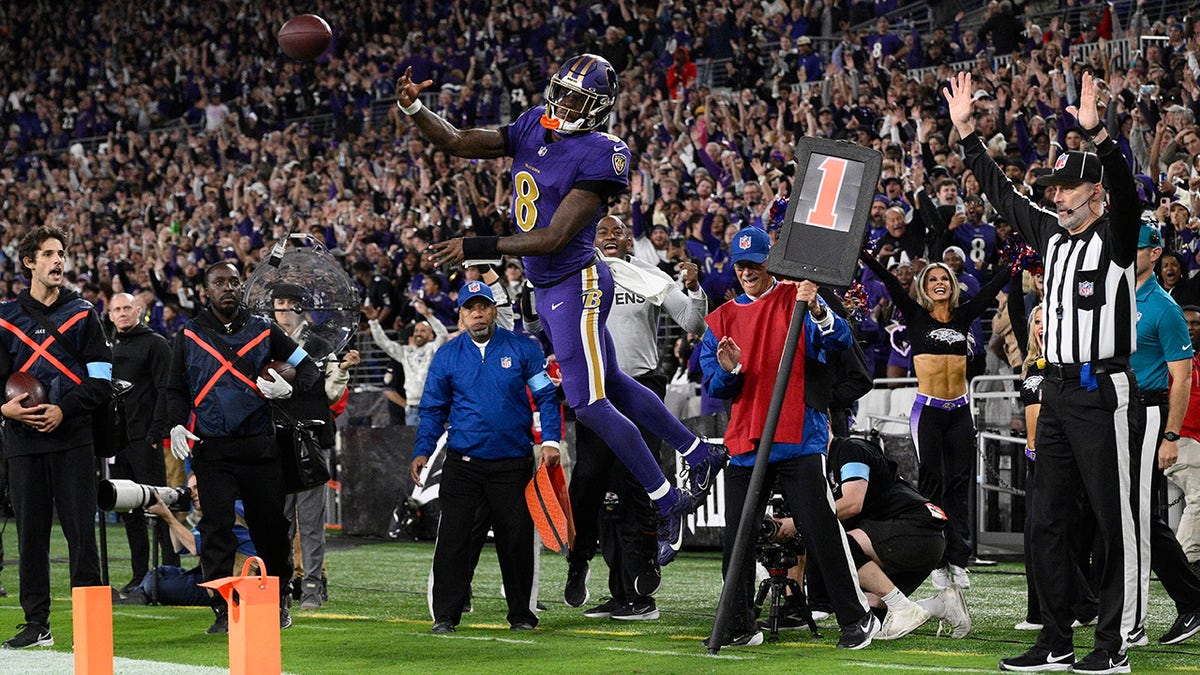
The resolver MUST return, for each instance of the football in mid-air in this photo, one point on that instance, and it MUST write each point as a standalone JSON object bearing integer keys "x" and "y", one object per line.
{"x": 305, "y": 37}
{"x": 24, "y": 383}
{"x": 286, "y": 370}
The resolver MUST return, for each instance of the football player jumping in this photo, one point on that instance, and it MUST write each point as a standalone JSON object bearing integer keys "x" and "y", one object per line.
{"x": 563, "y": 173}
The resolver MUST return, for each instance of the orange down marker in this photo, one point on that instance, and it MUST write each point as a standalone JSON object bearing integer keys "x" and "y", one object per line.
{"x": 254, "y": 645}
{"x": 91, "y": 614}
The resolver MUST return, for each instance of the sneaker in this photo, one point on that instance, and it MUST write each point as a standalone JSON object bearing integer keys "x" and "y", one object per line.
{"x": 901, "y": 622}
{"x": 648, "y": 582}
{"x": 1028, "y": 625}
{"x": 1102, "y": 661}
{"x": 703, "y": 475}
{"x": 958, "y": 577}
{"x": 311, "y": 597}
{"x": 135, "y": 597}
{"x": 670, "y": 527}
{"x": 220, "y": 624}
{"x": 136, "y": 582}
{"x": 1137, "y": 638}
{"x": 1039, "y": 659}
{"x": 468, "y": 607}
{"x": 941, "y": 578}
{"x": 750, "y": 638}
{"x": 576, "y": 593}
{"x": 3, "y": 592}
{"x": 859, "y": 634}
{"x": 955, "y": 611}
{"x": 786, "y": 622}
{"x": 521, "y": 625}
{"x": 821, "y": 615}
{"x": 1080, "y": 623}
{"x": 31, "y": 635}
{"x": 604, "y": 611}
{"x": 285, "y": 618}
{"x": 638, "y": 611}
{"x": 1185, "y": 626}
{"x": 441, "y": 627}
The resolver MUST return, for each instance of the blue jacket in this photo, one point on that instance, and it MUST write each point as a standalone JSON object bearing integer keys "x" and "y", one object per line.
{"x": 484, "y": 399}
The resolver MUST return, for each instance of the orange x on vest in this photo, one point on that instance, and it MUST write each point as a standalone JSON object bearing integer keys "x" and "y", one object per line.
{"x": 42, "y": 351}
{"x": 226, "y": 365}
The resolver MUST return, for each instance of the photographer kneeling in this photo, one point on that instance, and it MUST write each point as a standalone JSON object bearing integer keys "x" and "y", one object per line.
{"x": 177, "y": 585}
{"x": 895, "y": 537}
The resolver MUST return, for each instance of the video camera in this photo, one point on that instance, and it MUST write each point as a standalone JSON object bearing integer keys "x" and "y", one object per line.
{"x": 126, "y": 495}
{"x": 777, "y": 555}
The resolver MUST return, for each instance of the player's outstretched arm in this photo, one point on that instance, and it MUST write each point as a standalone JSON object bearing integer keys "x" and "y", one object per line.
{"x": 471, "y": 143}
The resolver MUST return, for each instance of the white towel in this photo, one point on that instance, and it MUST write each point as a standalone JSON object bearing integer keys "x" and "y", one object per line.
{"x": 652, "y": 285}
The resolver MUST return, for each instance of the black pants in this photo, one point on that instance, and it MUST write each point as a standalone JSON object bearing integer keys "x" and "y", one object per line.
{"x": 1086, "y": 442}
{"x": 811, "y": 503}
{"x": 1167, "y": 558}
{"x": 628, "y": 533}
{"x": 945, "y": 441}
{"x": 41, "y": 484}
{"x": 142, "y": 462}
{"x": 1083, "y": 604}
{"x": 259, "y": 484}
{"x": 469, "y": 484}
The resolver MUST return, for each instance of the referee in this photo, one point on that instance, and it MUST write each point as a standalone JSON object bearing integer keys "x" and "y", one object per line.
{"x": 1091, "y": 418}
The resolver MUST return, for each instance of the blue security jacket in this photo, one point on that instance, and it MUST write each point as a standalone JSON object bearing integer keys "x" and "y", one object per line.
{"x": 484, "y": 399}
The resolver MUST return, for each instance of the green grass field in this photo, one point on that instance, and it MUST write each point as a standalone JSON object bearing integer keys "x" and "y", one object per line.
{"x": 377, "y": 622}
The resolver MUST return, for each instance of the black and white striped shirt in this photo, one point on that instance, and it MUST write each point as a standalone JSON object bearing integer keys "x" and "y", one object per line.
{"x": 1089, "y": 308}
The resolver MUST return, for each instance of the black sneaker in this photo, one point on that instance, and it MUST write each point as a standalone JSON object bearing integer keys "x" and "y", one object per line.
{"x": 136, "y": 582}
{"x": 648, "y": 582}
{"x": 750, "y": 638}
{"x": 442, "y": 627}
{"x": 670, "y": 527}
{"x": 859, "y": 634}
{"x": 1185, "y": 626}
{"x": 1039, "y": 659}
{"x": 31, "y": 635}
{"x": 703, "y": 475}
{"x": 576, "y": 593}
{"x": 786, "y": 622}
{"x": 285, "y": 618}
{"x": 604, "y": 611}
{"x": 135, "y": 597}
{"x": 639, "y": 611}
{"x": 220, "y": 624}
{"x": 1102, "y": 661}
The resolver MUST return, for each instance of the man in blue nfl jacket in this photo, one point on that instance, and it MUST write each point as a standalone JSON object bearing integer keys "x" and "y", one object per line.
{"x": 477, "y": 382}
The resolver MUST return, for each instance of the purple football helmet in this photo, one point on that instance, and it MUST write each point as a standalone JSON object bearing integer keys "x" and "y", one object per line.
{"x": 580, "y": 95}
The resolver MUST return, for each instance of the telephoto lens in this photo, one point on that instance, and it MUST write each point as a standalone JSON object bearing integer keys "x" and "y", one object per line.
{"x": 126, "y": 495}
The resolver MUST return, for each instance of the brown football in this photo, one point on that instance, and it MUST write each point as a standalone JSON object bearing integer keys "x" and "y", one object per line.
{"x": 23, "y": 383}
{"x": 304, "y": 37}
{"x": 286, "y": 370}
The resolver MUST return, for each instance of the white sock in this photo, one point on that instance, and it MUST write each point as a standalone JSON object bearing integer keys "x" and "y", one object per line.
{"x": 896, "y": 600}
{"x": 691, "y": 450}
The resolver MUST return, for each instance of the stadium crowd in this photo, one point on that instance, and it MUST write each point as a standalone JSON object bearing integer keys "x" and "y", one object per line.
{"x": 162, "y": 160}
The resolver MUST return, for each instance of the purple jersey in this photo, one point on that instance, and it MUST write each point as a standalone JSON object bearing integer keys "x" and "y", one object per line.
{"x": 543, "y": 173}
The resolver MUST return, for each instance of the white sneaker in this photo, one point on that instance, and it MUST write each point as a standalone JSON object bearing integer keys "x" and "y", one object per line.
{"x": 1090, "y": 622}
{"x": 1028, "y": 625}
{"x": 958, "y": 575}
{"x": 818, "y": 615}
{"x": 955, "y": 611}
{"x": 901, "y": 622}
{"x": 941, "y": 578}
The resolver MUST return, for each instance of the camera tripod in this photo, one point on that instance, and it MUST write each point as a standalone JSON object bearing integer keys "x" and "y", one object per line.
{"x": 774, "y": 589}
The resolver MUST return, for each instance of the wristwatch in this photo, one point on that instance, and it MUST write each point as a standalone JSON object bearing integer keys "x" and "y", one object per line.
{"x": 1170, "y": 436}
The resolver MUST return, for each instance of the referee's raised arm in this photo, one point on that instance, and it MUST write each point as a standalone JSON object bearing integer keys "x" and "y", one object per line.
{"x": 1034, "y": 223}
{"x": 1124, "y": 206}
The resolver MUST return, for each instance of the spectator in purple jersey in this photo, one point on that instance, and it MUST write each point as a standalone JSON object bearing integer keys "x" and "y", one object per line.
{"x": 563, "y": 173}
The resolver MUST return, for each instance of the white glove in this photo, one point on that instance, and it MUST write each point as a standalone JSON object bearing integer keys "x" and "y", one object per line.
{"x": 179, "y": 441}
{"x": 280, "y": 388}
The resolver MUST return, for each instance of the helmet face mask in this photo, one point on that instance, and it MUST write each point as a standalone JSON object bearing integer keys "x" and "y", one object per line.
{"x": 580, "y": 95}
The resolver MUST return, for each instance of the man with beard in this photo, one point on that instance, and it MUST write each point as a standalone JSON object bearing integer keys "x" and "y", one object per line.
{"x": 216, "y": 374}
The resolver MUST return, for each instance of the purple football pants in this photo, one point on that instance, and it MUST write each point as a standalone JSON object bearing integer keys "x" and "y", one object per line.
{"x": 573, "y": 313}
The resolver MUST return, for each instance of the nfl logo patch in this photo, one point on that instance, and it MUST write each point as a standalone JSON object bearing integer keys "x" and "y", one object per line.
{"x": 505, "y": 362}
{"x": 1060, "y": 163}
{"x": 1087, "y": 289}
{"x": 473, "y": 287}
{"x": 744, "y": 242}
